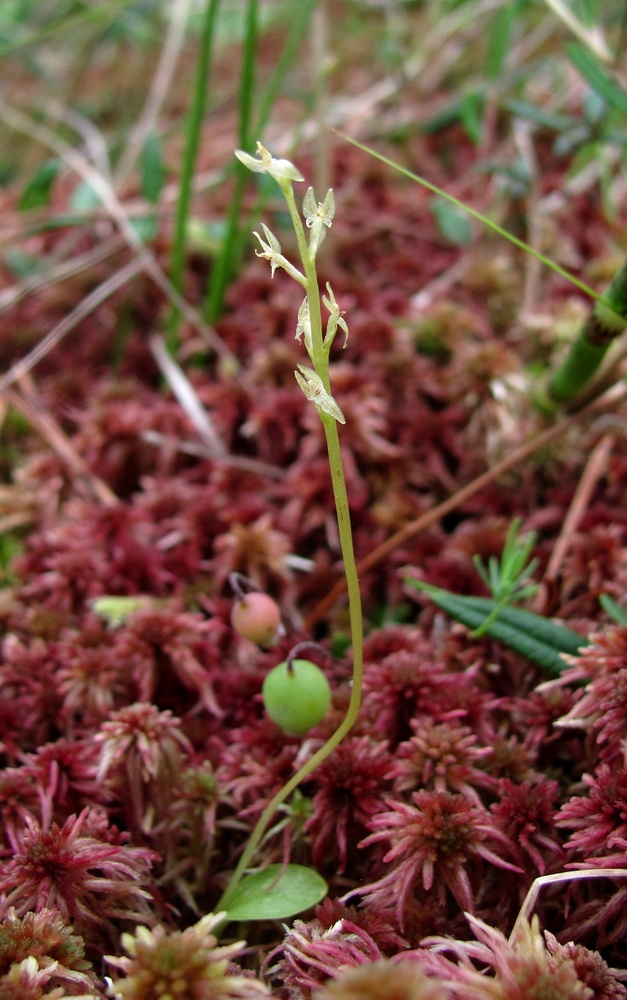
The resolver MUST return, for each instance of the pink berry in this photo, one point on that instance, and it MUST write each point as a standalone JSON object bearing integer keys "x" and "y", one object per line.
{"x": 256, "y": 617}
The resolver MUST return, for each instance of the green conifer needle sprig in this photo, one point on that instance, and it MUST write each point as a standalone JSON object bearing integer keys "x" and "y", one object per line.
{"x": 507, "y": 578}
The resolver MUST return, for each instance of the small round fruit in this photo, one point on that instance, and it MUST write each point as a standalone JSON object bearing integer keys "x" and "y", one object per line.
{"x": 255, "y": 616}
{"x": 297, "y": 699}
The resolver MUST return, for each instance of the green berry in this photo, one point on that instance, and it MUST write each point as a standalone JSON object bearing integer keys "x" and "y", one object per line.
{"x": 256, "y": 617}
{"x": 297, "y": 697}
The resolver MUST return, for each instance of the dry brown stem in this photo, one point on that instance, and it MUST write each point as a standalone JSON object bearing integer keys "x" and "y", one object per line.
{"x": 594, "y": 470}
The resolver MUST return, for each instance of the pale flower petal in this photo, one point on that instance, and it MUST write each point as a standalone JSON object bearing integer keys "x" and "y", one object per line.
{"x": 312, "y": 385}
{"x": 265, "y": 163}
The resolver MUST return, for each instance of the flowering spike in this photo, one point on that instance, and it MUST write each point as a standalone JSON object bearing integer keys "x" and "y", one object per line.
{"x": 267, "y": 164}
{"x": 314, "y": 390}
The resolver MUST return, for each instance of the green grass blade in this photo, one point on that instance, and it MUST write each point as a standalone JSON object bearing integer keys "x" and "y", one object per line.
{"x": 540, "y": 116}
{"x": 581, "y": 285}
{"x": 539, "y": 639}
{"x": 550, "y": 633}
{"x": 499, "y": 40}
{"x": 67, "y": 25}
{"x": 152, "y": 168}
{"x": 192, "y": 143}
{"x": 603, "y": 84}
{"x": 226, "y": 263}
{"x": 613, "y": 609}
{"x": 229, "y": 257}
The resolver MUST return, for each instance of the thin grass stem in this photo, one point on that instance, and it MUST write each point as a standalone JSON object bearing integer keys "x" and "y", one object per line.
{"x": 192, "y": 144}
{"x": 483, "y": 219}
{"x": 226, "y": 262}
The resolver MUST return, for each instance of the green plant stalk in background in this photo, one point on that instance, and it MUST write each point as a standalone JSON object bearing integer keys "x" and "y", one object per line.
{"x": 607, "y": 319}
{"x": 192, "y": 145}
{"x": 316, "y": 386}
{"x": 605, "y": 322}
{"x": 226, "y": 262}
{"x": 229, "y": 256}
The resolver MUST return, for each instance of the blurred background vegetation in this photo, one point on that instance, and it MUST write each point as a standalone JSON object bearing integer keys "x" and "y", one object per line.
{"x": 129, "y": 110}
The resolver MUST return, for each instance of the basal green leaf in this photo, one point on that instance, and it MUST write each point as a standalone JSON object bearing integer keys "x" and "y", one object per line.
{"x": 277, "y": 892}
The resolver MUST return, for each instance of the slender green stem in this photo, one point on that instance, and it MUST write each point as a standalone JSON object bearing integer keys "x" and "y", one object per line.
{"x": 314, "y": 761}
{"x": 192, "y": 144}
{"x": 300, "y": 17}
{"x": 354, "y": 598}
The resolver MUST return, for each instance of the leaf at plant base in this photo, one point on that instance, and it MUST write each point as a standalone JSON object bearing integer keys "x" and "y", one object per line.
{"x": 277, "y": 892}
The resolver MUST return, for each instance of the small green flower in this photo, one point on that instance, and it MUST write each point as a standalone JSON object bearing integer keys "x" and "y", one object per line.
{"x": 317, "y": 216}
{"x": 304, "y": 326}
{"x": 271, "y": 250}
{"x": 335, "y": 319}
{"x": 314, "y": 390}
{"x": 267, "y": 164}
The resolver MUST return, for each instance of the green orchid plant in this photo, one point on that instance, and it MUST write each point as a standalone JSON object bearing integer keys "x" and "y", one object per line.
{"x": 275, "y": 894}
